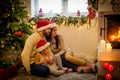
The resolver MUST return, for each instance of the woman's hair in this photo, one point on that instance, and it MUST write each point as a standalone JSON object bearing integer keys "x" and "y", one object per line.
{"x": 49, "y": 38}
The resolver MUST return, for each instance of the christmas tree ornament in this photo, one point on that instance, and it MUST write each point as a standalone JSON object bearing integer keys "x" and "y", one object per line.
{"x": 13, "y": 8}
{"x": 24, "y": 2}
{"x": 27, "y": 16}
{"x": 2, "y": 46}
{"x": 5, "y": 15}
{"x": 12, "y": 47}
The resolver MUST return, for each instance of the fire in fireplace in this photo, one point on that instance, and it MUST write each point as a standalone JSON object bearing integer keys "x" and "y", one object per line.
{"x": 113, "y": 30}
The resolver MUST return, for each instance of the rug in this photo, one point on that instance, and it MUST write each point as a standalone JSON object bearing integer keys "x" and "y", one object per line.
{"x": 67, "y": 76}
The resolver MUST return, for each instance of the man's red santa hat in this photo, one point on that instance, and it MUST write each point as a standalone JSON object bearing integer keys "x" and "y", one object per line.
{"x": 42, "y": 25}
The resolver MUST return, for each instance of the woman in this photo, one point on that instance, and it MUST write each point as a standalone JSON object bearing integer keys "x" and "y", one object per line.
{"x": 58, "y": 49}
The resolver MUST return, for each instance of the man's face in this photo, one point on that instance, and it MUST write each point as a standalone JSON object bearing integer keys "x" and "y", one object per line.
{"x": 47, "y": 31}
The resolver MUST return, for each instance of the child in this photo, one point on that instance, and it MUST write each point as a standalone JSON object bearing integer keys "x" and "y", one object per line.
{"x": 45, "y": 56}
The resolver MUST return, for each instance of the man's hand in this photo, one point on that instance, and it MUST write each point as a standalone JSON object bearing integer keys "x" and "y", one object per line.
{"x": 28, "y": 73}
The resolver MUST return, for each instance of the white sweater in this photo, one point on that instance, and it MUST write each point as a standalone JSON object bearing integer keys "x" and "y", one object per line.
{"x": 29, "y": 51}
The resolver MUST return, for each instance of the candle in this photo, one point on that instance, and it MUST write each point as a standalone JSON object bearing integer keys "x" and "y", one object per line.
{"x": 108, "y": 47}
{"x": 102, "y": 45}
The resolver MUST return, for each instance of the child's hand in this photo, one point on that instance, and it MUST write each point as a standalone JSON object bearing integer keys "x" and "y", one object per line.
{"x": 50, "y": 60}
{"x": 44, "y": 61}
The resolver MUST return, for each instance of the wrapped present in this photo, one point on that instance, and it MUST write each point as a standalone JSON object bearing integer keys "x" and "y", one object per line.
{"x": 5, "y": 73}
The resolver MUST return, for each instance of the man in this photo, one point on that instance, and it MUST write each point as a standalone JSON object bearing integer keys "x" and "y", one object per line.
{"x": 29, "y": 51}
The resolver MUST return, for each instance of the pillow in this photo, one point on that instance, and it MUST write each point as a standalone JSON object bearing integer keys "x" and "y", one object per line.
{"x": 80, "y": 55}
{"x": 69, "y": 56}
{"x": 89, "y": 57}
{"x": 92, "y": 56}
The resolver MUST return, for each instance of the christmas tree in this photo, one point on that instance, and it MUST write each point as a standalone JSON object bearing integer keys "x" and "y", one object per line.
{"x": 14, "y": 25}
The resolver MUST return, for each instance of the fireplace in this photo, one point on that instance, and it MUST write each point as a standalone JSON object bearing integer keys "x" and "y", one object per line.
{"x": 113, "y": 30}
{"x": 110, "y": 29}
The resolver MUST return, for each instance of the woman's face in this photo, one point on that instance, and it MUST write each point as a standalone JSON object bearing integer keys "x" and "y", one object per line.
{"x": 54, "y": 31}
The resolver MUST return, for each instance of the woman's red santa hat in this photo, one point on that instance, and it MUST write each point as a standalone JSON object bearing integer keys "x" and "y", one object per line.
{"x": 52, "y": 24}
{"x": 42, "y": 25}
{"x": 41, "y": 45}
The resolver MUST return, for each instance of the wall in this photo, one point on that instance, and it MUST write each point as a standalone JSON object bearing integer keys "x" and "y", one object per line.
{"x": 80, "y": 39}
{"x": 105, "y": 6}
{"x": 28, "y": 5}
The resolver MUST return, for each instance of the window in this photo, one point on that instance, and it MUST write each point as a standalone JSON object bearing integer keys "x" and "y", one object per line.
{"x": 66, "y": 7}
{"x": 75, "y": 5}
{"x": 54, "y": 6}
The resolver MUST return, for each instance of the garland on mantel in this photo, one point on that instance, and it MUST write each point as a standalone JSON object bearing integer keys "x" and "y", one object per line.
{"x": 67, "y": 21}
{"x": 94, "y": 4}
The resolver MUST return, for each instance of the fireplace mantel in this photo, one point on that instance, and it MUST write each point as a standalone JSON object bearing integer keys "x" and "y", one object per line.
{"x": 103, "y": 13}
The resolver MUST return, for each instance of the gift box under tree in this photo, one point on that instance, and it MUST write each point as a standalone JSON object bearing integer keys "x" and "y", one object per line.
{"x": 7, "y": 70}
